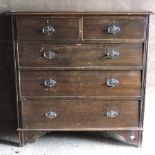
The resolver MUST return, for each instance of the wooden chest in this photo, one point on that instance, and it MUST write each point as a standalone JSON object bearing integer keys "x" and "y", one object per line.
{"x": 80, "y": 71}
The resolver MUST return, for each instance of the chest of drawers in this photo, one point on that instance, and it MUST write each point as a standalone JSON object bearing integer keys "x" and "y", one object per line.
{"x": 80, "y": 71}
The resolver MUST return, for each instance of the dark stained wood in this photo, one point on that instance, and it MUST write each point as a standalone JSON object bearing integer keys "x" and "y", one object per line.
{"x": 119, "y": 68}
{"x": 114, "y": 41}
{"x": 96, "y": 28}
{"x": 66, "y": 29}
{"x": 91, "y": 13}
{"x": 85, "y": 129}
{"x": 84, "y": 97}
{"x": 80, "y": 83}
{"x": 84, "y": 114}
{"x": 126, "y": 136}
{"x": 131, "y": 137}
{"x": 80, "y": 72}
{"x": 92, "y": 56}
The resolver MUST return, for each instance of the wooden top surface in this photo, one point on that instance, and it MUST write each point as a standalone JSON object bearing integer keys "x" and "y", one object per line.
{"x": 80, "y": 13}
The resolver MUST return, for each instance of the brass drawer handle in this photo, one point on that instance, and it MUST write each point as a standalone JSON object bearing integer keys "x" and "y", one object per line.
{"x": 49, "y": 55}
{"x": 51, "y": 114}
{"x": 49, "y": 83}
{"x": 112, "y": 54}
{"x": 112, "y": 82}
{"x": 48, "y": 29}
{"x": 111, "y": 114}
{"x": 114, "y": 29}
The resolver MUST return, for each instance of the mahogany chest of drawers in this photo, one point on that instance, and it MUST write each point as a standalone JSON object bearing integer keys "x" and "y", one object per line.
{"x": 80, "y": 71}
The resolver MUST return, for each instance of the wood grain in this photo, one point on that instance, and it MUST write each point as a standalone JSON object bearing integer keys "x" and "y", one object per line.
{"x": 80, "y": 83}
{"x": 95, "y": 28}
{"x": 82, "y": 13}
{"x": 80, "y": 69}
{"x": 66, "y": 29}
{"x": 80, "y": 55}
{"x": 79, "y": 114}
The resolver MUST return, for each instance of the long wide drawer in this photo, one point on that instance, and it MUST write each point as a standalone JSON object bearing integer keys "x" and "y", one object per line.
{"x": 79, "y": 114}
{"x": 85, "y": 56}
{"x": 114, "y": 27}
{"x": 49, "y": 29}
{"x": 80, "y": 83}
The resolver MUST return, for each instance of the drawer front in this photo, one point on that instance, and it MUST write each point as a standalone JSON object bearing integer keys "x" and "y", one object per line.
{"x": 52, "y": 29}
{"x": 80, "y": 83}
{"x": 114, "y": 27}
{"x": 79, "y": 114}
{"x": 87, "y": 55}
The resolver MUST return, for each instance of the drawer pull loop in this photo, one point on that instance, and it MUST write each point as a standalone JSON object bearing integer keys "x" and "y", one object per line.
{"x": 49, "y": 55}
{"x": 49, "y": 83}
{"x": 112, "y": 82}
{"x": 48, "y": 29}
{"x": 112, "y": 54}
{"x": 51, "y": 115}
{"x": 114, "y": 29}
{"x": 112, "y": 114}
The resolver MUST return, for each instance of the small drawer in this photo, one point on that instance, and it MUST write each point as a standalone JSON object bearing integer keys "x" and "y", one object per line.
{"x": 114, "y": 28}
{"x": 48, "y": 29}
{"x": 92, "y": 56}
{"x": 79, "y": 114}
{"x": 80, "y": 83}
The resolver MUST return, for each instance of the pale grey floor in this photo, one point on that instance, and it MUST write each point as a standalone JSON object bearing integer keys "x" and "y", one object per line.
{"x": 84, "y": 143}
{"x": 66, "y": 144}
